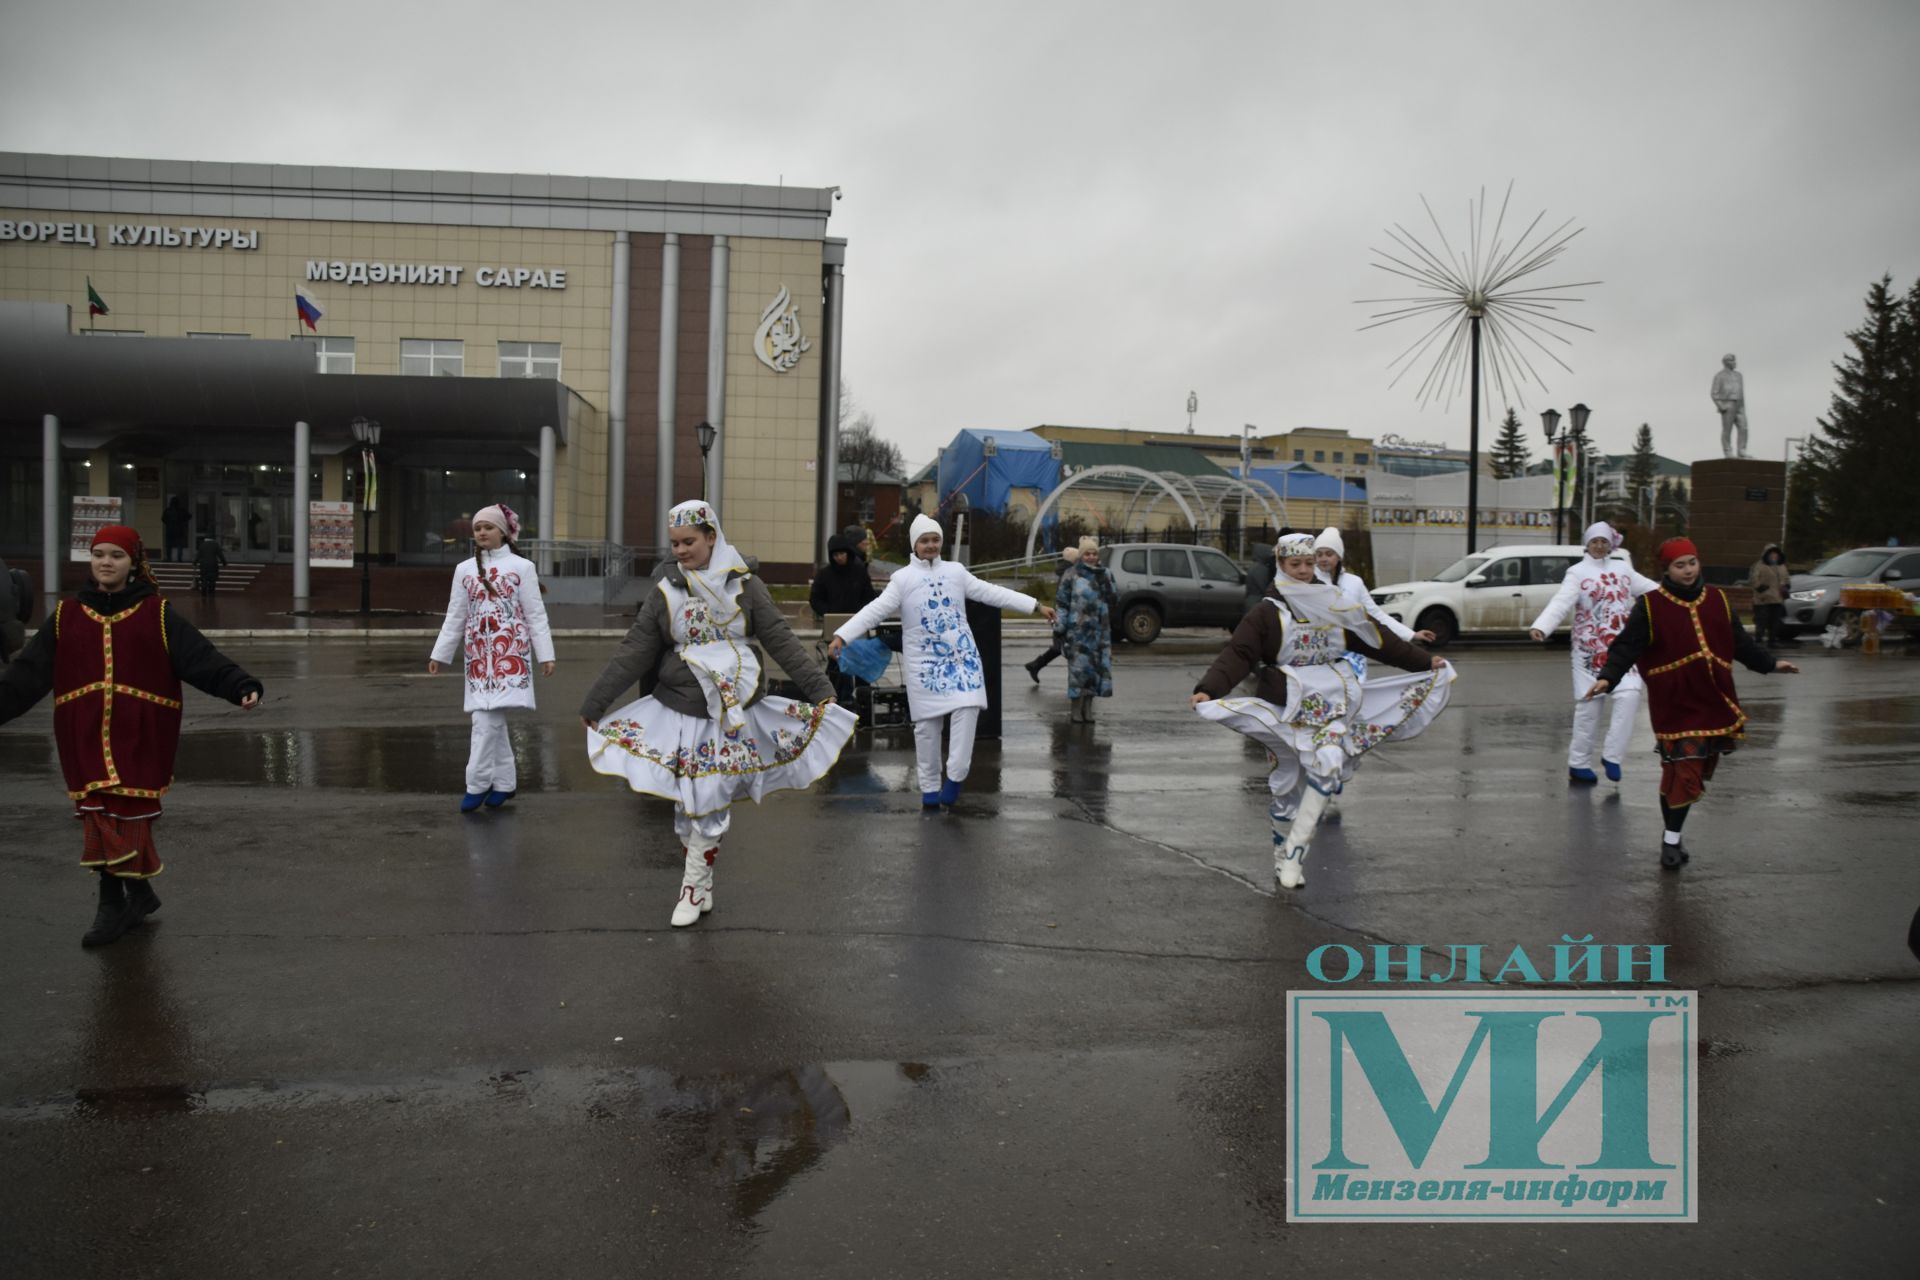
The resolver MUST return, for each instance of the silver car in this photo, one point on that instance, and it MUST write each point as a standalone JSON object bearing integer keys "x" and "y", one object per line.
{"x": 1813, "y": 599}
{"x": 1168, "y": 585}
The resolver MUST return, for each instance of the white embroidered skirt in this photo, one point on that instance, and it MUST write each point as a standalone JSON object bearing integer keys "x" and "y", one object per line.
{"x": 785, "y": 745}
{"x": 1327, "y": 733}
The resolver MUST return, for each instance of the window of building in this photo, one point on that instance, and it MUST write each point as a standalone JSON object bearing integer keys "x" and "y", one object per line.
{"x": 114, "y": 333}
{"x": 530, "y": 360}
{"x": 1359, "y": 459}
{"x": 437, "y": 506}
{"x": 1339, "y": 455}
{"x": 331, "y": 355}
{"x": 192, "y": 334}
{"x": 433, "y": 357}
{"x": 1299, "y": 455}
{"x": 1319, "y": 455}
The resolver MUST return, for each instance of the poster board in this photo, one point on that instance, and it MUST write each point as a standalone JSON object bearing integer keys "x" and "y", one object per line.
{"x": 90, "y": 515}
{"x": 330, "y": 535}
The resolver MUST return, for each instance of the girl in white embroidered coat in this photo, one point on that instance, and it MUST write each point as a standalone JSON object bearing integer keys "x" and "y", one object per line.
{"x": 1599, "y": 593}
{"x": 498, "y": 622}
{"x": 945, "y": 682}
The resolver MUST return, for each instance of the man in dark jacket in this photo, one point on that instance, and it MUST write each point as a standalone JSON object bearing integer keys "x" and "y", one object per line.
{"x": 208, "y": 562}
{"x": 177, "y": 524}
{"x": 1260, "y": 576}
{"x": 13, "y": 632}
{"x": 842, "y": 585}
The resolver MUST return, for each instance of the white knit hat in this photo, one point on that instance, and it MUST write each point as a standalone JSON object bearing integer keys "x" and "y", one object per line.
{"x": 1089, "y": 544}
{"x": 1330, "y": 539}
{"x": 923, "y": 525}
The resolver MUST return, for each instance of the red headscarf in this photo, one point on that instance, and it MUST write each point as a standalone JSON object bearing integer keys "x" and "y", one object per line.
{"x": 127, "y": 539}
{"x": 1673, "y": 548}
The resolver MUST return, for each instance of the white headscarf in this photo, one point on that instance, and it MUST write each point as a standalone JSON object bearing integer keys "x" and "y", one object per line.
{"x": 729, "y": 673}
{"x": 725, "y": 568}
{"x": 1297, "y": 543}
{"x": 1602, "y": 529}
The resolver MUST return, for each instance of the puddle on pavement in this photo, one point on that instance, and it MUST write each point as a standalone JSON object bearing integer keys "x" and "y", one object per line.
{"x": 752, "y": 1133}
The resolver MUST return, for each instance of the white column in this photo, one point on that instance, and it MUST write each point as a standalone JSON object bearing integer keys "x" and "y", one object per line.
{"x": 617, "y": 390}
{"x": 52, "y": 545}
{"x": 669, "y": 383}
{"x": 546, "y": 499}
{"x": 829, "y": 452}
{"x": 302, "y": 494}
{"x": 717, "y": 376}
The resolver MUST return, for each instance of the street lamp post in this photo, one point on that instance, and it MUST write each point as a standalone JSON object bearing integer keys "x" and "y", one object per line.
{"x": 1550, "y": 423}
{"x": 367, "y": 432}
{"x": 707, "y": 433}
{"x": 1560, "y": 441}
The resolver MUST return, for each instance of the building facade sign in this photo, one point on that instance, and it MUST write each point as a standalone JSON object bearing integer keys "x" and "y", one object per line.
{"x": 437, "y": 273}
{"x": 778, "y": 342}
{"x": 150, "y": 236}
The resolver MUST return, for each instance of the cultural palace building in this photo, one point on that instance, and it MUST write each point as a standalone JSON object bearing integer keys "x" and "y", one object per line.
{"x": 211, "y": 333}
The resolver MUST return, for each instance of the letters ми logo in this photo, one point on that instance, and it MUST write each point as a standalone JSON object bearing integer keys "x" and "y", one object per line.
{"x": 1428, "y": 1106}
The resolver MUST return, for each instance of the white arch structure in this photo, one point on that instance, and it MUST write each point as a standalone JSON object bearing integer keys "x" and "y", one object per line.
{"x": 1093, "y": 473}
{"x": 1170, "y": 484}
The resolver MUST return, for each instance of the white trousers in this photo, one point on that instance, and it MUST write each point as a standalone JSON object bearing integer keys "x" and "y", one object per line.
{"x": 490, "y": 764}
{"x": 701, "y": 834}
{"x": 1586, "y": 724}
{"x": 926, "y": 746}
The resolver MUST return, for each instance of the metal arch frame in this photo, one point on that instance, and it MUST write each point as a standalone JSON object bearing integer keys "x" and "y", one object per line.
{"x": 1225, "y": 488}
{"x": 1146, "y": 477}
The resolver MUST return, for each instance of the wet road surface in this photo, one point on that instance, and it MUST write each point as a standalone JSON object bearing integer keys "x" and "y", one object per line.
{"x": 1041, "y": 1036}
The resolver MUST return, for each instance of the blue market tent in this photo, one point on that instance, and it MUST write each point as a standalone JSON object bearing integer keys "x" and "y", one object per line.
{"x": 988, "y": 465}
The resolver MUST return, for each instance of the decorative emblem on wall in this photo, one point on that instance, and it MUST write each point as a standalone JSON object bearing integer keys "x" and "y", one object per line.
{"x": 778, "y": 343}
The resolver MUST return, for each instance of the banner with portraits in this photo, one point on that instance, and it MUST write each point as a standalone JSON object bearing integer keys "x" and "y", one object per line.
{"x": 330, "y": 535}
{"x": 90, "y": 516}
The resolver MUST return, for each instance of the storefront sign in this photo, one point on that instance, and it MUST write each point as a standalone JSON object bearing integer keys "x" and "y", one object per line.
{"x": 156, "y": 237}
{"x": 330, "y": 535}
{"x": 778, "y": 343}
{"x": 436, "y": 273}
{"x": 1456, "y": 517}
{"x": 90, "y": 516}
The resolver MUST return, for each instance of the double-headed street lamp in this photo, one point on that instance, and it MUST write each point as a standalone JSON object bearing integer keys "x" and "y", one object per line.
{"x": 1565, "y": 445}
{"x": 367, "y": 432}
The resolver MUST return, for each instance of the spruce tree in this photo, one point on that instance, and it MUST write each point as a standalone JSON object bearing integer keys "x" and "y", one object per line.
{"x": 1864, "y": 466}
{"x": 1510, "y": 453}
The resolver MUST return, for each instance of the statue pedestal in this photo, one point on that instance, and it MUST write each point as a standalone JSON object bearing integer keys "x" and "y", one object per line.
{"x": 1737, "y": 507}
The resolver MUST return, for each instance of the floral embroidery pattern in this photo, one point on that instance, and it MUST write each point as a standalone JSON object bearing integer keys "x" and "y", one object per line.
{"x": 733, "y": 754}
{"x": 499, "y": 647}
{"x": 1608, "y": 599}
{"x": 952, "y": 663}
{"x": 1310, "y": 646}
{"x": 1367, "y": 736}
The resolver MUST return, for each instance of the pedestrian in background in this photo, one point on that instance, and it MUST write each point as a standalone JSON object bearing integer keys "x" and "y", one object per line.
{"x": 842, "y": 586}
{"x": 207, "y": 563}
{"x": 16, "y": 605}
{"x": 1083, "y": 629}
{"x": 114, "y": 658}
{"x": 1069, "y": 556}
{"x": 709, "y": 733}
{"x": 1771, "y": 582}
{"x": 498, "y": 622}
{"x": 177, "y": 526}
{"x": 1260, "y": 573}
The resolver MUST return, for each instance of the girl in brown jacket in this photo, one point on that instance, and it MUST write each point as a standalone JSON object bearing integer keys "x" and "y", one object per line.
{"x": 709, "y": 734}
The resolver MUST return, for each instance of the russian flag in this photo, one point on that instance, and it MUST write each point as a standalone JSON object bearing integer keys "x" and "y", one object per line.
{"x": 309, "y": 310}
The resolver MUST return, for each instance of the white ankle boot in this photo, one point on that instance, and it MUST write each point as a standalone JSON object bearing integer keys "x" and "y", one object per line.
{"x": 1290, "y": 867}
{"x": 696, "y": 887}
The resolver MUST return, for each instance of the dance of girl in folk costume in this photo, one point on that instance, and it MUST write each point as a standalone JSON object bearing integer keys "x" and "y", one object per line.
{"x": 1311, "y": 712}
{"x": 1599, "y": 592}
{"x": 114, "y": 658}
{"x": 1683, "y": 636}
{"x": 709, "y": 733}
{"x": 945, "y": 682}
{"x": 497, "y": 616}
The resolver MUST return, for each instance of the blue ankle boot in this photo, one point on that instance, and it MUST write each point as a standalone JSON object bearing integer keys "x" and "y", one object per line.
{"x": 1582, "y": 776}
{"x": 930, "y": 799}
{"x": 497, "y": 798}
{"x": 950, "y": 793}
{"x": 469, "y": 801}
{"x": 1612, "y": 768}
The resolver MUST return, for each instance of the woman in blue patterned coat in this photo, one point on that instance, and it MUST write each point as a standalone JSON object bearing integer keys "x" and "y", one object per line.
{"x": 1084, "y": 630}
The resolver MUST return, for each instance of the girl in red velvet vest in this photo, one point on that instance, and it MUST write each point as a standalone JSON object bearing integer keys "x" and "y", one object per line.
{"x": 1685, "y": 637}
{"x": 113, "y": 658}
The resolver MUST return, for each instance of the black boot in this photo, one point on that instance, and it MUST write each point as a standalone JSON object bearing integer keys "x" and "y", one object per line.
{"x": 113, "y": 917}
{"x": 1032, "y": 671}
{"x": 142, "y": 901}
{"x": 1672, "y": 856}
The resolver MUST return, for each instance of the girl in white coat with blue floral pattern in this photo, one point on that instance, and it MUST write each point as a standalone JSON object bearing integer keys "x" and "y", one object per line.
{"x": 946, "y": 684}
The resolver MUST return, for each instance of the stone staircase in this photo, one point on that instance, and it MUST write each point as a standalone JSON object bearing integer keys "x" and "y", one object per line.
{"x": 177, "y": 578}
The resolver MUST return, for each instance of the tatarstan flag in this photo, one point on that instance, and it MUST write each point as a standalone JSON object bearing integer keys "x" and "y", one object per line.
{"x": 96, "y": 305}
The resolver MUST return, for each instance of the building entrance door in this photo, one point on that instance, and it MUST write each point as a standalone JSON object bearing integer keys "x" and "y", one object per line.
{"x": 252, "y": 520}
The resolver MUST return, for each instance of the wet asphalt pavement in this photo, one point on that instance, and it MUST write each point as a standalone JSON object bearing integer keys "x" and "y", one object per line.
{"x": 1042, "y": 1036}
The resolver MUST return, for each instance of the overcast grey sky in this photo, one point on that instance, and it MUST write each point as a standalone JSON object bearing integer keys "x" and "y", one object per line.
{"x": 1076, "y": 213}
